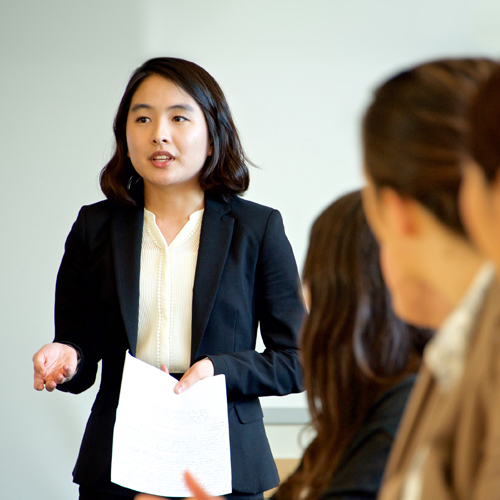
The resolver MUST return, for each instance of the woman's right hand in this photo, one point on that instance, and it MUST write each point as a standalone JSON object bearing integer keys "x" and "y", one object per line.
{"x": 54, "y": 364}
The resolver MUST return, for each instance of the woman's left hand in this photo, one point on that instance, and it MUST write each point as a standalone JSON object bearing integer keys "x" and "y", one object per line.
{"x": 200, "y": 370}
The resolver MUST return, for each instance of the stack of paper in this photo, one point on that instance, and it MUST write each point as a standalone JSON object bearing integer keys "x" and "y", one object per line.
{"x": 159, "y": 434}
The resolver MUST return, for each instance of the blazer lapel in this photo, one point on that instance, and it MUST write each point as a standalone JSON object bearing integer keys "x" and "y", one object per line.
{"x": 215, "y": 240}
{"x": 127, "y": 242}
{"x": 403, "y": 447}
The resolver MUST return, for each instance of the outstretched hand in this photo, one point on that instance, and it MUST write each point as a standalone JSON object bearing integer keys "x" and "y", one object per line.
{"x": 54, "y": 364}
{"x": 198, "y": 492}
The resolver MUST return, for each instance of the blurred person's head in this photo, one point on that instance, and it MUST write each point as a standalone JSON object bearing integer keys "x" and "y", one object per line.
{"x": 415, "y": 135}
{"x": 480, "y": 189}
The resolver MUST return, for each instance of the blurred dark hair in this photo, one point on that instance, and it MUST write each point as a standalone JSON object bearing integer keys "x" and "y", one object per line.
{"x": 416, "y": 129}
{"x": 485, "y": 127}
{"x": 225, "y": 171}
{"x": 353, "y": 346}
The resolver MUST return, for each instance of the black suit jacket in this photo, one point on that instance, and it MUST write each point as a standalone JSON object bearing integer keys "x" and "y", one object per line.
{"x": 245, "y": 275}
{"x": 360, "y": 471}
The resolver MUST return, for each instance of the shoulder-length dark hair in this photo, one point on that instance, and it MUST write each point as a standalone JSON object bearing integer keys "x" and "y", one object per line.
{"x": 353, "y": 346}
{"x": 415, "y": 132}
{"x": 225, "y": 172}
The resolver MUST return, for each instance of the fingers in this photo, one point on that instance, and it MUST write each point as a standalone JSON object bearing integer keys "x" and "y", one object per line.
{"x": 39, "y": 360}
{"x": 144, "y": 496}
{"x": 39, "y": 383}
{"x": 200, "y": 370}
{"x": 164, "y": 368}
{"x": 187, "y": 380}
{"x": 67, "y": 372}
{"x": 50, "y": 385}
{"x": 198, "y": 492}
{"x": 54, "y": 364}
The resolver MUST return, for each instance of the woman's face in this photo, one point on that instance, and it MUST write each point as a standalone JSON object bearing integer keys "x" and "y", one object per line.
{"x": 167, "y": 136}
{"x": 393, "y": 266}
{"x": 413, "y": 298}
{"x": 480, "y": 209}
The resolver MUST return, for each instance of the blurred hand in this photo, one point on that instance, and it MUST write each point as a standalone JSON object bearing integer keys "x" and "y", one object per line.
{"x": 200, "y": 370}
{"x": 198, "y": 492}
{"x": 54, "y": 364}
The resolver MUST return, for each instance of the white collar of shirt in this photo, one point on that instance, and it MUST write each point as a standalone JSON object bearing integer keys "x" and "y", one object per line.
{"x": 191, "y": 226}
{"x": 446, "y": 352}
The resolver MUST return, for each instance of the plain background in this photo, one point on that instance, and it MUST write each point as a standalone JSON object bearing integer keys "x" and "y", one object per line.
{"x": 297, "y": 75}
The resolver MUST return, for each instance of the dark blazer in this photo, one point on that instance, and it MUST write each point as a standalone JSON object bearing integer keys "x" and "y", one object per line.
{"x": 360, "y": 471}
{"x": 246, "y": 275}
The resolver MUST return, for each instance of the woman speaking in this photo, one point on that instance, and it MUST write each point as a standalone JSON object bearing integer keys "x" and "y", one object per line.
{"x": 177, "y": 268}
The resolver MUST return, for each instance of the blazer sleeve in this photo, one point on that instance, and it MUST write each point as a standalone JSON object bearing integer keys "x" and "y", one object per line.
{"x": 279, "y": 310}
{"x": 74, "y": 308}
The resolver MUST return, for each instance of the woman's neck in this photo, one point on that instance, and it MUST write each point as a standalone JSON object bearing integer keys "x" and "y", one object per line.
{"x": 173, "y": 203}
{"x": 450, "y": 264}
{"x": 172, "y": 208}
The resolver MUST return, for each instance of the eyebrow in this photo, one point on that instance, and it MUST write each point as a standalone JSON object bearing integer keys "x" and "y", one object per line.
{"x": 185, "y": 107}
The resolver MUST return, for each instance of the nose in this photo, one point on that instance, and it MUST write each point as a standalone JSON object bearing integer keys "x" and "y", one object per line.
{"x": 161, "y": 135}
{"x": 161, "y": 139}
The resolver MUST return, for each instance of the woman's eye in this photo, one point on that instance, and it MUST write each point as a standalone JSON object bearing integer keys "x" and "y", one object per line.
{"x": 179, "y": 119}
{"x": 143, "y": 119}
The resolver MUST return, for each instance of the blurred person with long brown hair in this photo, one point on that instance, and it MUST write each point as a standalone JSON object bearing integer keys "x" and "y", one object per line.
{"x": 416, "y": 140}
{"x": 358, "y": 360}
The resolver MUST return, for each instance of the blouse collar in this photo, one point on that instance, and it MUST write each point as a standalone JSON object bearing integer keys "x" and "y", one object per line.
{"x": 445, "y": 354}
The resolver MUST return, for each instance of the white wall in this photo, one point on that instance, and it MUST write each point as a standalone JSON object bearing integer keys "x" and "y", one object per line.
{"x": 297, "y": 75}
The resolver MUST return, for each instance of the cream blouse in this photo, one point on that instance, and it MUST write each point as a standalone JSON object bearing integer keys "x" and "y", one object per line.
{"x": 166, "y": 294}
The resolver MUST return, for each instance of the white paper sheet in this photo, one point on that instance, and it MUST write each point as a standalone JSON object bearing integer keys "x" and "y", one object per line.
{"x": 159, "y": 434}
